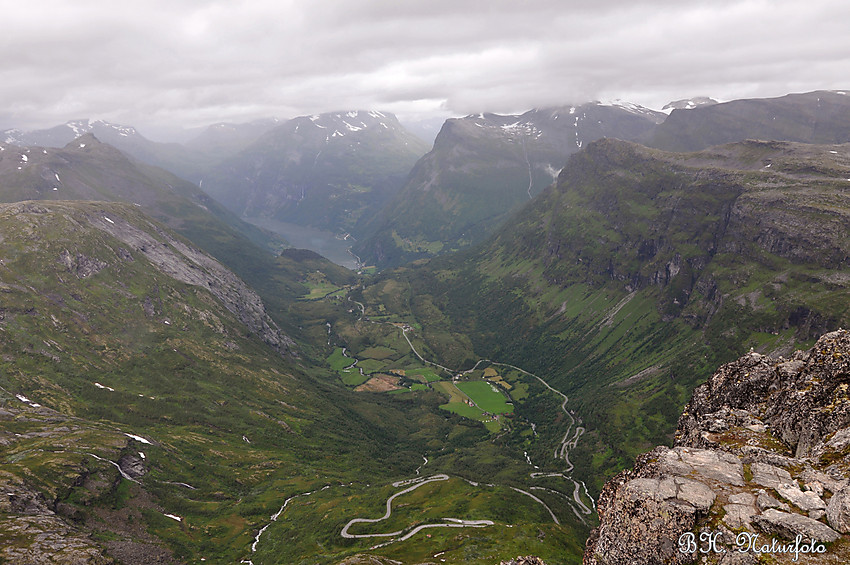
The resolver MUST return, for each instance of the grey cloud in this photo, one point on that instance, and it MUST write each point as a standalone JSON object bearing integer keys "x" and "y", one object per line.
{"x": 195, "y": 62}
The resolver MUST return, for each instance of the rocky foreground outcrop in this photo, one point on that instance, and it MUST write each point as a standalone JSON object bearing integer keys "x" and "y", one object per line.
{"x": 758, "y": 473}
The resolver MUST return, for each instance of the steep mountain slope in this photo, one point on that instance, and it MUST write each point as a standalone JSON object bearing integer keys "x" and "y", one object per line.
{"x": 329, "y": 171}
{"x": 761, "y": 457}
{"x": 813, "y": 117}
{"x": 481, "y": 168}
{"x": 220, "y": 141}
{"x": 62, "y": 135}
{"x": 152, "y": 413}
{"x": 123, "y": 343}
{"x": 87, "y": 169}
{"x": 173, "y": 157}
{"x": 639, "y": 271}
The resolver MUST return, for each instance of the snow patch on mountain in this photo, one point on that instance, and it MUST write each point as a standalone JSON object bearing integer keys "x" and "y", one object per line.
{"x": 13, "y": 136}
{"x": 632, "y": 108}
{"x": 688, "y": 104}
{"x": 61, "y": 135}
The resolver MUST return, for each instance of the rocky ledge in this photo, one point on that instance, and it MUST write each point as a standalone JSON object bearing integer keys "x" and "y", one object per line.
{"x": 758, "y": 473}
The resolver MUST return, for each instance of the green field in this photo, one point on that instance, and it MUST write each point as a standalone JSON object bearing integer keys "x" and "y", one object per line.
{"x": 429, "y": 375}
{"x": 371, "y": 365}
{"x": 319, "y": 286}
{"x": 457, "y": 405}
{"x": 352, "y": 377}
{"x": 465, "y": 410}
{"x": 338, "y": 361}
{"x": 449, "y": 389}
{"x": 317, "y": 291}
{"x": 380, "y": 352}
{"x": 486, "y": 396}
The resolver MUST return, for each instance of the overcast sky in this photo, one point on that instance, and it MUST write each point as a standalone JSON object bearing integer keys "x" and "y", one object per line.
{"x": 157, "y": 63}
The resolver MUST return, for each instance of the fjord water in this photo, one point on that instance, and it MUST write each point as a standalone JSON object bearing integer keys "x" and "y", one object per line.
{"x": 325, "y": 243}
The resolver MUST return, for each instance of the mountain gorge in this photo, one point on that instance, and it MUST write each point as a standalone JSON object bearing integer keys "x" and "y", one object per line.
{"x": 330, "y": 171}
{"x": 640, "y": 271}
{"x": 153, "y": 412}
{"x": 482, "y": 168}
{"x": 177, "y": 387}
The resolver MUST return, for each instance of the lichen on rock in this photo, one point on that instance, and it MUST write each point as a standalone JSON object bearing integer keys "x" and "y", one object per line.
{"x": 763, "y": 448}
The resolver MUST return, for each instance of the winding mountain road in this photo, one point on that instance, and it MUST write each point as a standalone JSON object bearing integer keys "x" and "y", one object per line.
{"x": 416, "y": 483}
{"x": 569, "y": 441}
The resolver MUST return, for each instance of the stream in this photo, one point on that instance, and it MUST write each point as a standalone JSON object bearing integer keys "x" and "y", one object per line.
{"x": 569, "y": 441}
{"x": 571, "y": 436}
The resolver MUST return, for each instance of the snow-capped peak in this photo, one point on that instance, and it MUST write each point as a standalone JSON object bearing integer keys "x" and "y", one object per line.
{"x": 630, "y": 107}
{"x": 81, "y": 127}
{"x": 13, "y": 136}
{"x": 688, "y": 103}
{"x": 348, "y": 121}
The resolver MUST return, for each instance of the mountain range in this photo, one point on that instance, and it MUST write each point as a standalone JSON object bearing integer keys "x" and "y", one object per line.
{"x": 188, "y": 160}
{"x": 358, "y": 178}
{"x": 639, "y": 272}
{"x": 813, "y": 117}
{"x": 328, "y": 171}
{"x": 177, "y": 387}
{"x": 332, "y": 171}
{"x": 88, "y": 169}
{"x": 483, "y": 167}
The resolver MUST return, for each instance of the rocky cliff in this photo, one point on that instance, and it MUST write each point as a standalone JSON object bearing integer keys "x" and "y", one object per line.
{"x": 484, "y": 166}
{"x": 630, "y": 281}
{"x": 812, "y": 117}
{"x": 191, "y": 266}
{"x": 758, "y": 473}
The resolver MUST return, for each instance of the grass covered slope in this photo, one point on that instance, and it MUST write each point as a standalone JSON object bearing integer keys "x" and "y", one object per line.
{"x": 86, "y": 169}
{"x": 99, "y": 333}
{"x": 640, "y": 271}
{"x": 144, "y": 416}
